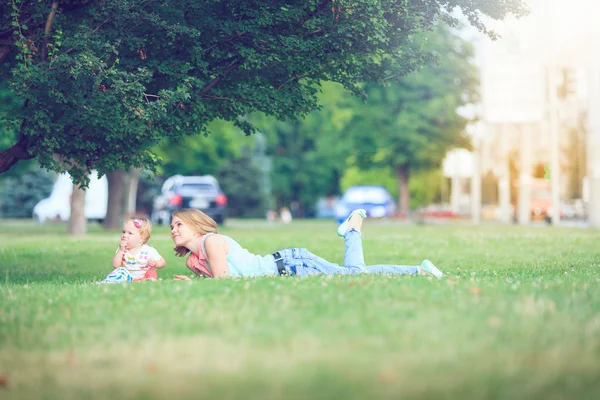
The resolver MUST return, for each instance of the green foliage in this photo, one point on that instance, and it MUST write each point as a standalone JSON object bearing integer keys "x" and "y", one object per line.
{"x": 415, "y": 121}
{"x": 309, "y": 154}
{"x": 424, "y": 186}
{"x": 409, "y": 125}
{"x": 383, "y": 176}
{"x": 241, "y": 179}
{"x": 8, "y": 127}
{"x": 18, "y": 195}
{"x": 109, "y": 80}
{"x": 202, "y": 155}
{"x": 8, "y": 102}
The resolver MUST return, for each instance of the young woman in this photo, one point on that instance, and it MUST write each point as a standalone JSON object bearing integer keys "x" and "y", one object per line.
{"x": 213, "y": 255}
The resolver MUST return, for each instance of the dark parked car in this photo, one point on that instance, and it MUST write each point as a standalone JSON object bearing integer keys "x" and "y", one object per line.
{"x": 200, "y": 192}
{"x": 376, "y": 200}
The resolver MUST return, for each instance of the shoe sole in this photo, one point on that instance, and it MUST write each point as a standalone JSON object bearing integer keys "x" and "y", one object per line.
{"x": 341, "y": 231}
{"x": 428, "y": 266}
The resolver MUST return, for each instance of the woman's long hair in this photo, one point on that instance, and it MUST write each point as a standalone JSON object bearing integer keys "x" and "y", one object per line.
{"x": 197, "y": 221}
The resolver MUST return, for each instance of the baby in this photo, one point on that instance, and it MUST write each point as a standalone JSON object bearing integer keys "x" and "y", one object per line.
{"x": 135, "y": 260}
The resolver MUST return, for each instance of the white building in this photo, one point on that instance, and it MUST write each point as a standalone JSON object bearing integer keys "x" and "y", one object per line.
{"x": 523, "y": 119}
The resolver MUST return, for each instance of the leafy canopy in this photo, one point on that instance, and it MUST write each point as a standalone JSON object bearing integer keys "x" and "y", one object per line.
{"x": 101, "y": 82}
{"x": 412, "y": 123}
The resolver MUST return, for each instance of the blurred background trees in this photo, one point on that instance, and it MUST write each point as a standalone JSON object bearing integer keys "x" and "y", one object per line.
{"x": 19, "y": 194}
{"x": 409, "y": 125}
{"x": 406, "y": 125}
{"x": 97, "y": 85}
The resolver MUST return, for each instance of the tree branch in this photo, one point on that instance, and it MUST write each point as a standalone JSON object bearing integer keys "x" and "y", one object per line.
{"x": 208, "y": 49}
{"x": 47, "y": 29}
{"x": 292, "y": 79}
{"x": 317, "y": 10}
{"x": 14, "y": 154}
{"x": 212, "y": 83}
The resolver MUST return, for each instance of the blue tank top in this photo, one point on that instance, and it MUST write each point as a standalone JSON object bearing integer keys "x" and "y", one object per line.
{"x": 243, "y": 263}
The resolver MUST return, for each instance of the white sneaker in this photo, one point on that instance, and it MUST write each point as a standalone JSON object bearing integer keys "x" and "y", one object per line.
{"x": 427, "y": 268}
{"x": 343, "y": 228}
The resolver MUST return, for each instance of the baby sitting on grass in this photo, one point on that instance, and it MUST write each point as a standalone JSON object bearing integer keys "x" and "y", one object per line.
{"x": 135, "y": 260}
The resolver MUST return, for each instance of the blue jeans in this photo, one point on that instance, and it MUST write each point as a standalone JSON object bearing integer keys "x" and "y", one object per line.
{"x": 302, "y": 262}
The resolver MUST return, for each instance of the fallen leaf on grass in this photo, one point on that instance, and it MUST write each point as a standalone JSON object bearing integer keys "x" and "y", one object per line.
{"x": 151, "y": 367}
{"x": 70, "y": 358}
{"x": 476, "y": 291}
{"x": 3, "y": 381}
{"x": 387, "y": 376}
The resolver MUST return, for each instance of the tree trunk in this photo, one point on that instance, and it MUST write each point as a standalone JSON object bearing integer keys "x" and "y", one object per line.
{"x": 116, "y": 193}
{"x": 134, "y": 174}
{"x": 296, "y": 205}
{"x": 403, "y": 174}
{"x": 14, "y": 154}
{"x": 77, "y": 221}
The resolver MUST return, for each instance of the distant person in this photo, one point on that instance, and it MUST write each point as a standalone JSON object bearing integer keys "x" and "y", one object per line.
{"x": 271, "y": 215}
{"x": 135, "y": 260}
{"x": 286, "y": 215}
{"x": 213, "y": 255}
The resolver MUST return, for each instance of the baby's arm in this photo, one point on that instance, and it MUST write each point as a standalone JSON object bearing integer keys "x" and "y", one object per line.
{"x": 155, "y": 260}
{"x": 118, "y": 258}
{"x": 160, "y": 263}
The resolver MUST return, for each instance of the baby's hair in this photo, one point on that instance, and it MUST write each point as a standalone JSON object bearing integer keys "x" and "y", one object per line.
{"x": 143, "y": 224}
{"x": 197, "y": 221}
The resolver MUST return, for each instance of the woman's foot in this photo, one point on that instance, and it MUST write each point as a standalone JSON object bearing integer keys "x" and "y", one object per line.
{"x": 354, "y": 221}
{"x": 427, "y": 268}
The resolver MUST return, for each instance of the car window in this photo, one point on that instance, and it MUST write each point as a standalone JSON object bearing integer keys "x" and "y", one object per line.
{"x": 366, "y": 195}
{"x": 193, "y": 188}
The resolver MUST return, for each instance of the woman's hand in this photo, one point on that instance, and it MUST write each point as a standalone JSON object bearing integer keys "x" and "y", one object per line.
{"x": 181, "y": 278}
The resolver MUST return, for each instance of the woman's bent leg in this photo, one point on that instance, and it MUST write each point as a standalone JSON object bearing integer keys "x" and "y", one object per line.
{"x": 353, "y": 256}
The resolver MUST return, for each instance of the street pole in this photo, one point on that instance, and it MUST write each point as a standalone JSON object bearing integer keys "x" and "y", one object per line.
{"x": 504, "y": 181}
{"x": 593, "y": 142}
{"x": 476, "y": 178}
{"x": 554, "y": 141}
{"x": 553, "y": 124}
{"x": 525, "y": 175}
{"x": 455, "y": 187}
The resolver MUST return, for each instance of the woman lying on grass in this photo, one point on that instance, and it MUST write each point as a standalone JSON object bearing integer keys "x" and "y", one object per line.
{"x": 213, "y": 255}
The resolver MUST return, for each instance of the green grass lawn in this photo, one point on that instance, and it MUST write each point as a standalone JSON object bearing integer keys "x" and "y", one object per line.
{"x": 517, "y": 317}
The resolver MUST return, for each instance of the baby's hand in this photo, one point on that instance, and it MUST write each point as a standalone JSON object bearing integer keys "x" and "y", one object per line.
{"x": 151, "y": 264}
{"x": 123, "y": 245}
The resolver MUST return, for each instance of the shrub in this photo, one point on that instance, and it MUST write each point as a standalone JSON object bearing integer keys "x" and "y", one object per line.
{"x": 18, "y": 195}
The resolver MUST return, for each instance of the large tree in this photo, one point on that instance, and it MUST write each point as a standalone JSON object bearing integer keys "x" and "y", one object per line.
{"x": 409, "y": 125}
{"x": 101, "y": 82}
